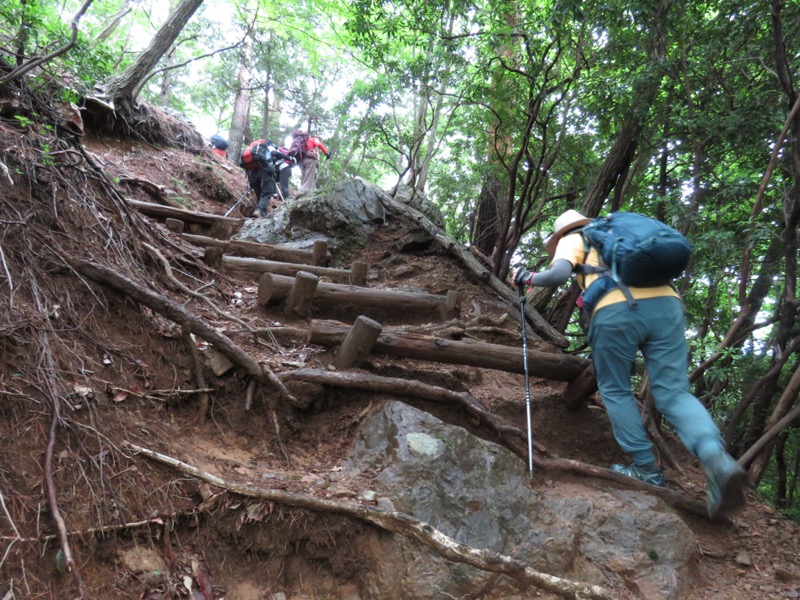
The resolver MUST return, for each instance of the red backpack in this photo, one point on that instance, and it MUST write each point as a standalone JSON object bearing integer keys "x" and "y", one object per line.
{"x": 254, "y": 156}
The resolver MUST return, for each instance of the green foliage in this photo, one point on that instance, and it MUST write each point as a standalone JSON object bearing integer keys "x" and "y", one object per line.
{"x": 32, "y": 29}
{"x": 23, "y": 121}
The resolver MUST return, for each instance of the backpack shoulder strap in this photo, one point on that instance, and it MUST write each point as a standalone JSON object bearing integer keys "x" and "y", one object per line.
{"x": 604, "y": 271}
{"x": 585, "y": 269}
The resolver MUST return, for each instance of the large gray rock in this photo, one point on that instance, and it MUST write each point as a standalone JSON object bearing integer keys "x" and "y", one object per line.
{"x": 415, "y": 199}
{"x": 343, "y": 217}
{"x": 480, "y": 494}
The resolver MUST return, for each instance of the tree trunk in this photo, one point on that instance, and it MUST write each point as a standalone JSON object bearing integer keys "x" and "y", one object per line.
{"x": 624, "y": 149}
{"x": 484, "y": 232}
{"x": 166, "y": 79}
{"x": 237, "y": 134}
{"x": 121, "y": 88}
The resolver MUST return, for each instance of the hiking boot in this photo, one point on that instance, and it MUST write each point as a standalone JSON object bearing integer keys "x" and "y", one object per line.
{"x": 654, "y": 477}
{"x": 726, "y": 481}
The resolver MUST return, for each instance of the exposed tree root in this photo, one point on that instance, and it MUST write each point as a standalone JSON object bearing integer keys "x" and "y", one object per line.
{"x": 155, "y": 191}
{"x": 177, "y": 313}
{"x": 192, "y": 293}
{"x": 404, "y": 387}
{"x": 248, "y": 397}
{"x": 403, "y": 524}
{"x": 52, "y": 498}
{"x": 99, "y": 531}
{"x": 199, "y": 377}
{"x": 511, "y": 437}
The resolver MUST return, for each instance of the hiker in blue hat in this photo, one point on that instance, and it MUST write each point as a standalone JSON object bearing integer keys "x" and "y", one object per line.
{"x": 651, "y": 321}
{"x": 219, "y": 145}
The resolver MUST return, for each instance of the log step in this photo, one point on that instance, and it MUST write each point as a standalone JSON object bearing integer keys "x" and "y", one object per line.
{"x": 273, "y": 287}
{"x": 356, "y": 275}
{"x": 221, "y": 227}
{"x": 546, "y": 365}
{"x": 318, "y": 256}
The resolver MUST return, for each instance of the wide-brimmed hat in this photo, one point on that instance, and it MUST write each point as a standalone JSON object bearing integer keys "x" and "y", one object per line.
{"x": 565, "y": 223}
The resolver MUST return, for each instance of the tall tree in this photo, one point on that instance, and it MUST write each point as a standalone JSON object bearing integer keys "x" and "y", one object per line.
{"x": 238, "y": 132}
{"x": 121, "y": 87}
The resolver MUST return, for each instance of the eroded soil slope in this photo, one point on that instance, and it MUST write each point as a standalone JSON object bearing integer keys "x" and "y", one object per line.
{"x": 124, "y": 374}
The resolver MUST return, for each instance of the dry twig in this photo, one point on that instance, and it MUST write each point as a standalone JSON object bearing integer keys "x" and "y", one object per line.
{"x": 402, "y": 524}
{"x": 199, "y": 377}
{"x": 218, "y": 311}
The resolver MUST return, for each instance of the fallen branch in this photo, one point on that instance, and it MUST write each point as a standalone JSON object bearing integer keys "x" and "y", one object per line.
{"x": 400, "y": 523}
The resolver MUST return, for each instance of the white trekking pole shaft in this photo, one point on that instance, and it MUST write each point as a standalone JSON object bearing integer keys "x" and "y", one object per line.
{"x": 230, "y": 210}
{"x": 527, "y": 381}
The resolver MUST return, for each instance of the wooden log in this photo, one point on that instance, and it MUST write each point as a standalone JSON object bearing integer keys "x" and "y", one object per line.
{"x": 540, "y": 325}
{"x": 212, "y": 257}
{"x": 188, "y": 216}
{"x": 452, "y": 303}
{"x": 274, "y": 288}
{"x": 547, "y": 365}
{"x": 302, "y": 293}
{"x": 223, "y": 229}
{"x": 175, "y": 225}
{"x": 358, "y": 273}
{"x": 256, "y": 250}
{"x": 358, "y": 343}
{"x": 287, "y": 269}
{"x": 580, "y": 389}
{"x": 320, "y": 254}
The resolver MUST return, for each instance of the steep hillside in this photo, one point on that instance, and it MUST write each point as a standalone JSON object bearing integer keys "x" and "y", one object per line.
{"x": 106, "y": 377}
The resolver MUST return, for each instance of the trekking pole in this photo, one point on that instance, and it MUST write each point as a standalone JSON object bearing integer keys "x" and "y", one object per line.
{"x": 230, "y": 210}
{"x": 527, "y": 383}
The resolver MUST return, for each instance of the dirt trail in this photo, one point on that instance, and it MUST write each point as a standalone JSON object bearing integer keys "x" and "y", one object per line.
{"x": 123, "y": 374}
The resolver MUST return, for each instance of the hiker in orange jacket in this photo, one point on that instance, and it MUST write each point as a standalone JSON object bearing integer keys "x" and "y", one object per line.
{"x": 305, "y": 149}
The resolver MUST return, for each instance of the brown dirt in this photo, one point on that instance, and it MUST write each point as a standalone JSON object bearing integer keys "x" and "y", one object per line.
{"x": 117, "y": 363}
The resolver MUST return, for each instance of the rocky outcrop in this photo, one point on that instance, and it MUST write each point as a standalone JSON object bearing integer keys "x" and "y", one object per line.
{"x": 344, "y": 217}
{"x": 481, "y": 495}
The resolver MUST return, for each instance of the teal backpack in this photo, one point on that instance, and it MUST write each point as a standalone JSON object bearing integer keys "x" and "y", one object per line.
{"x": 636, "y": 251}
